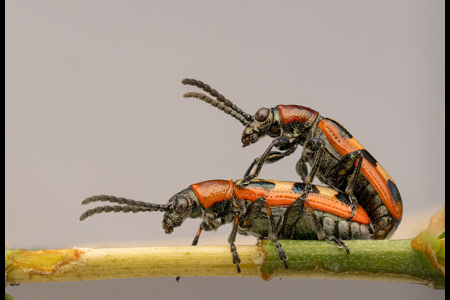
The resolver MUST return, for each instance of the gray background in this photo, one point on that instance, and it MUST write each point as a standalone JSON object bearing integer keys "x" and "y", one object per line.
{"x": 93, "y": 105}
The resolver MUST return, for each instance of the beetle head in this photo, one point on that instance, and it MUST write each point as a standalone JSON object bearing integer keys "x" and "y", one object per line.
{"x": 180, "y": 207}
{"x": 263, "y": 123}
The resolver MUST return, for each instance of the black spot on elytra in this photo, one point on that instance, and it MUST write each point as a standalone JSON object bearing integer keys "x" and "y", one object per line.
{"x": 369, "y": 157}
{"x": 394, "y": 192}
{"x": 264, "y": 184}
{"x": 342, "y": 128}
{"x": 299, "y": 187}
{"x": 343, "y": 198}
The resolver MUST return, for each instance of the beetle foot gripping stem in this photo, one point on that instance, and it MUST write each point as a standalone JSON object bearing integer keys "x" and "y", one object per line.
{"x": 338, "y": 242}
{"x": 281, "y": 254}
{"x": 236, "y": 259}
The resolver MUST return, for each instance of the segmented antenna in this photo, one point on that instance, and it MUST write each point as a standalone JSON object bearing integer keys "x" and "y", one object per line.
{"x": 218, "y": 104}
{"x": 218, "y": 96}
{"x": 132, "y": 205}
{"x": 119, "y": 200}
{"x": 107, "y": 209}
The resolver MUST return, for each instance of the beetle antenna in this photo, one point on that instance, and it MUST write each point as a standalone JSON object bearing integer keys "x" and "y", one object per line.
{"x": 118, "y": 208}
{"x": 131, "y": 205}
{"x": 119, "y": 200}
{"x": 107, "y": 208}
{"x": 217, "y": 95}
{"x": 218, "y": 104}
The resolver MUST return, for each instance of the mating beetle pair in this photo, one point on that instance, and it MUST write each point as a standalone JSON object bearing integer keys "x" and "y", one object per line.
{"x": 266, "y": 209}
{"x": 284, "y": 210}
{"x": 336, "y": 158}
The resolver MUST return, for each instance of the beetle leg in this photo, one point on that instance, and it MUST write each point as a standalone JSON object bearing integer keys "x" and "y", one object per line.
{"x": 312, "y": 146}
{"x": 272, "y": 236}
{"x": 194, "y": 243}
{"x": 252, "y": 212}
{"x": 270, "y": 157}
{"x": 250, "y": 168}
{"x": 293, "y": 214}
{"x": 291, "y": 217}
{"x": 197, "y": 236}
{"x": 281, "y": 254}
{"x": 231, "y": 240}
{"x": 246, "y": 180}
{"x": 338, "y": 242}
{"x": 382, "y": 233}
{"x": 263, "y": 157}
{"x": 351, "y": 186}
{"x": 309, "y": 151}
{"x": 301, "y": 169}
{"x": 342, "y": 168}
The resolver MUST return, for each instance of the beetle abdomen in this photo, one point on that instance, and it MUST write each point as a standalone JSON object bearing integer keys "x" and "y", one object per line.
{"x": 333, "y": 226}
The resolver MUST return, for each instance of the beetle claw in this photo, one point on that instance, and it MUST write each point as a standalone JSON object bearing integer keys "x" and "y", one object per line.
{"x": 245, "y": 181}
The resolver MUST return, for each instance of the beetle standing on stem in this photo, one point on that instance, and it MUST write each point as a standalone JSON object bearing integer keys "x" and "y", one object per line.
{"x": 335, "y": 157}
{"x": 266, "y": 209}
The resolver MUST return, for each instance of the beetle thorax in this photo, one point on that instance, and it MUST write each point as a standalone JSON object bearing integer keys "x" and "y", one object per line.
{"x": 296, "y": 119}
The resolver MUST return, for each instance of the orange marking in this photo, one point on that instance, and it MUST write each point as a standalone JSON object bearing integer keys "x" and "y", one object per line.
{"x": 336, "y": 207}
{"x": 269, "y": 212}
{"x": 213, "y": 191}
{"x": 301, "y": 114}
{"x": 283, "y": 195}
{"x": 198, "y": 232}
{"x": 236, "y": 220}
{"x": 377, "y": 176}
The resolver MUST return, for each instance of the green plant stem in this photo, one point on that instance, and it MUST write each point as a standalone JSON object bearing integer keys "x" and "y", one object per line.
{"x": 389, "y": 260}
{"x": 8, "y": 297}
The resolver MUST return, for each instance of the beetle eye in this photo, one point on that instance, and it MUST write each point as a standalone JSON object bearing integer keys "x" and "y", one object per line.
{"x": 262, "y": 114}
{"x": 181, "y": 205}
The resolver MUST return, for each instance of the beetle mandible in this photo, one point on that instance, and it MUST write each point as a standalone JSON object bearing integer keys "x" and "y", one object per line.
{"x": 266, "y": 209}
{"x": 335, "y": 156}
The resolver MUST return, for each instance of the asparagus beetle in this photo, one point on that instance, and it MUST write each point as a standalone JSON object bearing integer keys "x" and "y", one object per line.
{"x": 266, "y": 209}
{"x": 334, "y": 155}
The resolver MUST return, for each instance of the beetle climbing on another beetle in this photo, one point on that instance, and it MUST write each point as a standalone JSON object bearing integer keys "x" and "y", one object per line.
{"x": 335, "y": 156}
{"x": 266, "y": 209}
